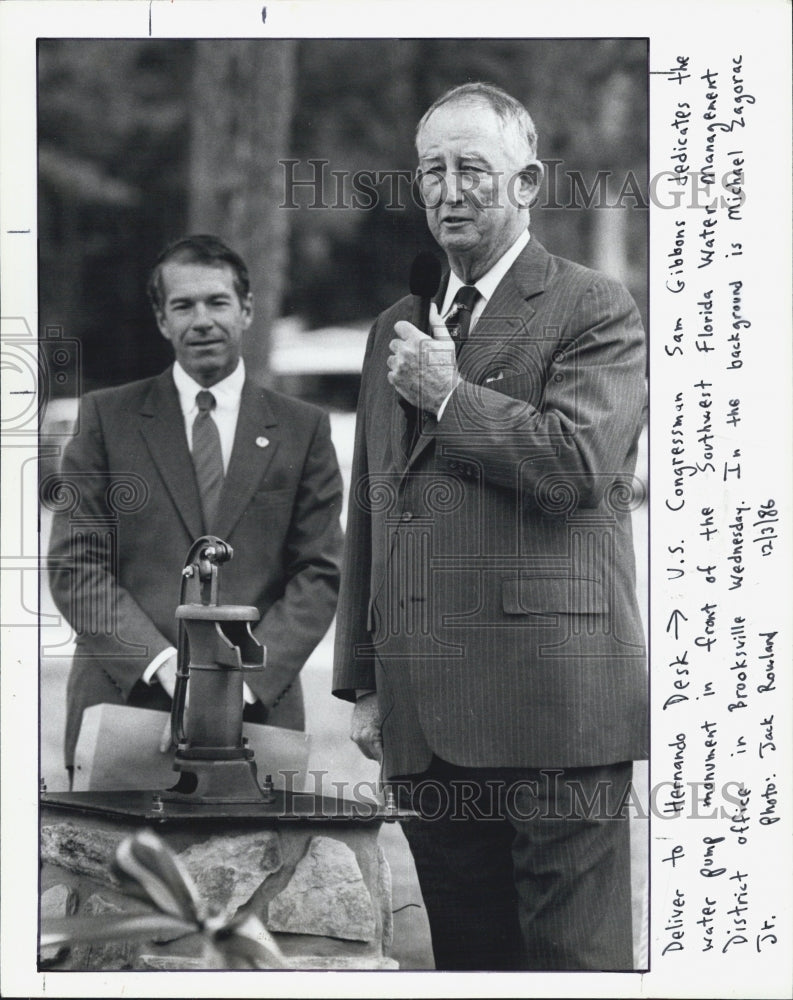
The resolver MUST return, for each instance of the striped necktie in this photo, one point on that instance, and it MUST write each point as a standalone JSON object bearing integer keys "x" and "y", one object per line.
{"x": 207, "y": 457}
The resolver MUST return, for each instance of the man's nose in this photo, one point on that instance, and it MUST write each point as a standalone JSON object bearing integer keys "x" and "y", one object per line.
{"x": 202, "y": 318}
{"x": 454, "y": 187}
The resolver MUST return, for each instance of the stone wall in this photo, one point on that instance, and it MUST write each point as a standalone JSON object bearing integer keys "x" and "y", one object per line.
{"x": 322, "y": 889}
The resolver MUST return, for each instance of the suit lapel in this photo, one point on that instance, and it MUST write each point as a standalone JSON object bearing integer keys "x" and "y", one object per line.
{"x": 503, "y": 320}
{"x": 255, "y": 443}
{"x": 162, "y": 427}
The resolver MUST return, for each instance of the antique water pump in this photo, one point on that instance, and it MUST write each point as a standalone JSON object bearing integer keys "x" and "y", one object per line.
{"x": 212, "y": 758}
{"x": 217, "y": 772}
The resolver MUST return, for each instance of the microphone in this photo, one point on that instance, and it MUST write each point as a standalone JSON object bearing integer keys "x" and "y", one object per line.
{"x": 425, "y": 280}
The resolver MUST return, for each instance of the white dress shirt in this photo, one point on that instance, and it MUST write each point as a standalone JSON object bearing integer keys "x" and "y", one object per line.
{"x": 228, "y": 394}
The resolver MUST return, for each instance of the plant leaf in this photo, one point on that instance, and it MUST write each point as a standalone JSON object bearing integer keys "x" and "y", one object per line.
{"x": 246, "y": 937}
{"x": 146, "y": 859}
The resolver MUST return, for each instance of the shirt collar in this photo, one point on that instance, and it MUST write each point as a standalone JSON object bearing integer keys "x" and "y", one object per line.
{"x": 227, "y": 392}
{"x": 487, "y": 284}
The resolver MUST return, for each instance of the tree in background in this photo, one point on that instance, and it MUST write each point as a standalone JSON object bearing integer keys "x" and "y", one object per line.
{"x": 240, "y": 117}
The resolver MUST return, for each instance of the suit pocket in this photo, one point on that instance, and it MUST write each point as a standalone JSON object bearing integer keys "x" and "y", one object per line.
{"x": 537, "y": 595}
{"x": 520, "y": 386}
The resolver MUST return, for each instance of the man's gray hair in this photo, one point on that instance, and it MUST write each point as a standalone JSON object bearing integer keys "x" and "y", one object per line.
{"x": 509, "y": 110}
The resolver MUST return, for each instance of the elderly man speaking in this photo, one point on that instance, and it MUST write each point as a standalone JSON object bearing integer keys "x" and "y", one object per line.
{"x": 488, "y": 629}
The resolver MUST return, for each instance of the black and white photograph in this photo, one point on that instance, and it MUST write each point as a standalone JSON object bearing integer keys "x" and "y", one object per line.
{"x": 400, "y": 563}
{"x": 297, "y": 188}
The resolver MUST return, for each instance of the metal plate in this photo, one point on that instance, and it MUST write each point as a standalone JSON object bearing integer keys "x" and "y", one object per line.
{"x": 286, "y": 806}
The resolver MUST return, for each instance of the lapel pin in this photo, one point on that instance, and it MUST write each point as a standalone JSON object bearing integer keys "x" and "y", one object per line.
{"x": 262, "y": 442}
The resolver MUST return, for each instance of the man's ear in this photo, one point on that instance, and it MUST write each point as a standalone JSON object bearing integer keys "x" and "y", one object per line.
{"x": 247, "y": 309}
{"x": 159, "y": 316}
{"x": 530, "y": 181}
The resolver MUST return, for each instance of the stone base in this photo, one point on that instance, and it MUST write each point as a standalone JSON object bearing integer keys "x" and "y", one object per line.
{"x": 322, "y": 889}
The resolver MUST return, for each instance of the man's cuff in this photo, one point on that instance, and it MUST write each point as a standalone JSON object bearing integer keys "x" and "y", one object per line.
{"x": 442, "y": 407}
{"x": 150, "y": 671}
{"x": 362, "y": 692}
{"x": 149, "y": 674}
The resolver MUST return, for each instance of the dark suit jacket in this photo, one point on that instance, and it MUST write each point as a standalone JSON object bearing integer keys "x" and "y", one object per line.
{"x": 488, "y": 588}
{"x": 127, "y": 511}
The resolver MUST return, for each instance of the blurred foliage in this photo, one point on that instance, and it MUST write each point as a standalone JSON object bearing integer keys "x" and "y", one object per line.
{"x": 358, "y": 104}
{"x": 115, "y": 112}
{"x": 115, "y": 121}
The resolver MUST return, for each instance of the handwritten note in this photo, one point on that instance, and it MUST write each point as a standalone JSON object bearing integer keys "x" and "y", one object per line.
{"x": 721, "y": 529}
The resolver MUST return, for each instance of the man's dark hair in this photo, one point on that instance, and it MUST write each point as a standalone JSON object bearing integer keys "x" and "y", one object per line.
{"x": 198, "y": 249}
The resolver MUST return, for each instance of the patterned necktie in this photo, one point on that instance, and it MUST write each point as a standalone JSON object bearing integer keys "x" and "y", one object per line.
{"x": 458, "y": 322}
{"x": 207, "y": 457}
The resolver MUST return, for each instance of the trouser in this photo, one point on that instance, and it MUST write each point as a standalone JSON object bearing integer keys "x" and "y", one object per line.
{"x": 524, "y": 868}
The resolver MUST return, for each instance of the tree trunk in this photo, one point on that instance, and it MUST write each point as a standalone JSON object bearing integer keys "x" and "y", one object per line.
{"x": 242, "y": 98}
{"x": 611, "y": 224}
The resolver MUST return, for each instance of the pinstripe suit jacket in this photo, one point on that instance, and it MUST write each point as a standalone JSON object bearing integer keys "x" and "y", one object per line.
{"x": 488, "y": 589}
